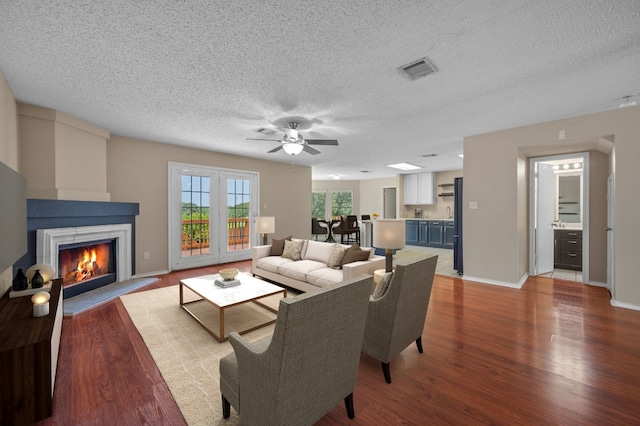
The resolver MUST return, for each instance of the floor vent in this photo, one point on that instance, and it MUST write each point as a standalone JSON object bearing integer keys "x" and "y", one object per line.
{"x": 419, "y": 68}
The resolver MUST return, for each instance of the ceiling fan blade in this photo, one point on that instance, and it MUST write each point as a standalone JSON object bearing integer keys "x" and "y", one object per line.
{"x": 322, "y": 142}
{"x": 310, "y": 150}
{"x": 276, "y": 149}
{"x": 272, "y": 140}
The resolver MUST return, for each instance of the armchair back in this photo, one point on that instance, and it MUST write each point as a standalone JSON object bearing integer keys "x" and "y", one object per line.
{"x": 397, "y": 318}
{"x": 310, "y": 363}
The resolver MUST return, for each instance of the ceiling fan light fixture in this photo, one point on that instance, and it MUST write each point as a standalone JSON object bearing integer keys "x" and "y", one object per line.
{"x": 292, "y": 134}
{"x": 292, "y": 148}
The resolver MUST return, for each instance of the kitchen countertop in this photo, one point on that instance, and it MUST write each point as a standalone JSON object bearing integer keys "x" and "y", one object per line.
{"x": 426, "y": 218}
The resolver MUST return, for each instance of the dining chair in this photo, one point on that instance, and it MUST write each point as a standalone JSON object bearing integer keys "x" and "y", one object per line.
{"x": 350, "y": 230}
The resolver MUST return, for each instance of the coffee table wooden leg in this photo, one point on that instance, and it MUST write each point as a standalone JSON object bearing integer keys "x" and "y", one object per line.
{"x": 181, "y": 294}
{"x": 222, "y": 336}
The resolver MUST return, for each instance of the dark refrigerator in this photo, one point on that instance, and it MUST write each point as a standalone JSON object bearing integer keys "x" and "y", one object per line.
{"x": 457, "y": 225}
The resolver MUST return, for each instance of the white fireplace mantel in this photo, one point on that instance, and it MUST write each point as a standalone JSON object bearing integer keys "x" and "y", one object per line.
{"x": 48, "y": 242}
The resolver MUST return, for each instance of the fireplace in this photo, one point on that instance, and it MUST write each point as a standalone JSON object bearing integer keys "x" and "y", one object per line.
{"x": 86, "y": 257}
{"x": 82, "y": 263}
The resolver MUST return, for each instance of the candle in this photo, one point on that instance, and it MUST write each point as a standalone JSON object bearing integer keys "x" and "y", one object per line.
{"x": 40, "y": 303}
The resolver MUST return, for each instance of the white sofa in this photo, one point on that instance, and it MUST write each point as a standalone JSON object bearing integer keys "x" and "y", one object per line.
{"x": 311, "y": 271}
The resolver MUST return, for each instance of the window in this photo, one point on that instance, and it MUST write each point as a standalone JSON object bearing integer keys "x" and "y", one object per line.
{"x": 341, "y": 203}
{"x": 318, "y": 204}
{"x": 338, "y": 203}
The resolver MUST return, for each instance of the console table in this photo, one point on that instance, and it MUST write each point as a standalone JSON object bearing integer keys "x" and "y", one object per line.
{"x": 28, "y": 357}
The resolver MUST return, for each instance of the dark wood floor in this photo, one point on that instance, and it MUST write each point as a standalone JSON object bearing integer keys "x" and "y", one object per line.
{"x": 555, "y": 352}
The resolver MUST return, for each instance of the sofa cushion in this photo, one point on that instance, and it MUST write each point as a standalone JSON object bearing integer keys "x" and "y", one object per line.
{"x": 277, "y": 246}
{"x": 324, "y": 277}
{"x": 272, "y": 263}
{"x": 319, "y": 251}
{"x": 303, "y": 250}
{"x": 335, "y": 259}
{"x": 355, "y": 253}
{"x": 383, "y": 285}
{"x": 299, "y": 270}
{"x": 292, "y": 249}
{"x": 371, "y": 250}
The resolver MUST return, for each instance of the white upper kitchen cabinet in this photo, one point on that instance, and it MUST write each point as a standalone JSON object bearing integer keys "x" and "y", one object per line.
{"x": 419, "y": 188}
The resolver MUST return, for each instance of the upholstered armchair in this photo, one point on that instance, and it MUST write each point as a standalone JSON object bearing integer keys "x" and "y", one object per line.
{"x": 396, "y": 319}
{"x": 307, "y": 366}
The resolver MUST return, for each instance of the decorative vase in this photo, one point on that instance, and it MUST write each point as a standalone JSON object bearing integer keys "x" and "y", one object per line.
{"x": 37, "y": 280}
{"x": 20, "y": 281}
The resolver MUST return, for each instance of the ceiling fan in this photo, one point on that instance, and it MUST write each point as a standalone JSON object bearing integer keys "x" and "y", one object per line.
{"x": 293, "y": 143}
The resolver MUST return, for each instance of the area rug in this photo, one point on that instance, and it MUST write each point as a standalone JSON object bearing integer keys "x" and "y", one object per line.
{"x": 186, "y": 354}
{"x": 94, "y": 298}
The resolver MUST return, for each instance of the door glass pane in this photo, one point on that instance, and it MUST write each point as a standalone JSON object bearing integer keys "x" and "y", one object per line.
{"x": 238, "y": 208}
{"x": 196, "y": 235}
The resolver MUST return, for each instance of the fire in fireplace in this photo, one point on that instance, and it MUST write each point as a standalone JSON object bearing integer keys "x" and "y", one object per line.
{"x": 86, "y": 261}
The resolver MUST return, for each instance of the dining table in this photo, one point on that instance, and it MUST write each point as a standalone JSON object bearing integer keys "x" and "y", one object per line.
{"x": 331, "y": 223}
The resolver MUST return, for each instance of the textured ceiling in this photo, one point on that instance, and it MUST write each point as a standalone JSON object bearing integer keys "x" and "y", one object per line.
{"x": 209, "y": 74}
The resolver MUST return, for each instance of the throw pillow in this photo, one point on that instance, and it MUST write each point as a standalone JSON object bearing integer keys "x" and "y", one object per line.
{"x": 335, "y": 258}
{"x": 292, "y": 249}
{"x": 277, "y": 246}
{"x": 383, "y": 285}
{"x": 353, "y": 254}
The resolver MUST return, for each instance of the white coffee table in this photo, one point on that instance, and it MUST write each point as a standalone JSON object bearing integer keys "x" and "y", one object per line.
{"x": 250, "y": 290}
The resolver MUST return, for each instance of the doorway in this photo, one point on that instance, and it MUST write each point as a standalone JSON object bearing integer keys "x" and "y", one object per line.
{"x": 389, "y": 202}
{"x": 559, "y": 212}
{"x": 211, "y": 215}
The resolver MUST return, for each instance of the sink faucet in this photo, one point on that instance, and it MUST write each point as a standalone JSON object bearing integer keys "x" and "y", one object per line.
{"x": 449, "y": 211}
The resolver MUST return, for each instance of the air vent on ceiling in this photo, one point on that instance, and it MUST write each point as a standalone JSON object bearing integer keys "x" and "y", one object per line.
{"x": 419, "y": 68}
{"x": 266, "y": 131}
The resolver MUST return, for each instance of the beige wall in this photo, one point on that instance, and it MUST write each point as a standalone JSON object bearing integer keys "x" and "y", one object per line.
{"x": 9, "y": 154}
{"x": 137, "y": 172}
{"x": 62, "y": 157}
{"x": 496, "y": 233}
{"x": 371, "y": 195}
{"x": 439, "y": 209}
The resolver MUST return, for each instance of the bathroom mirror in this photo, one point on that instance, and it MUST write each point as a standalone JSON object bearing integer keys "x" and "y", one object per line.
{"x": 569, "y": 206}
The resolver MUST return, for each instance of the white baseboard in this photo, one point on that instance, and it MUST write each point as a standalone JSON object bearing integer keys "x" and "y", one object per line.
{"x": 517, "y": 285}
{"x": 150, "y": 274}
{"x": 618, "y": 304}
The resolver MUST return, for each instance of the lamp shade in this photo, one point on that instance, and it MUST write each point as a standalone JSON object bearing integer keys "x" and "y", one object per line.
{"x": 389, "y": 233}
{"x": 265, "y": 224}
{"x": 292, "y": 148}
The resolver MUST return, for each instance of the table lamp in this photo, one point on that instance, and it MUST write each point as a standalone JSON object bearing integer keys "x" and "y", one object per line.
{"x": 265, "y": 225}
{"x": 388, "y": 234}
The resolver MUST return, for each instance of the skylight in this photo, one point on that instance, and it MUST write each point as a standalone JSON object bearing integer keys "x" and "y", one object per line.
{"x": 404, "y": 166}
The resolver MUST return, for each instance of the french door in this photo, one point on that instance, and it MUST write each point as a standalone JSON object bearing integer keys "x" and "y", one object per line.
{"x": 211, "y": 215}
